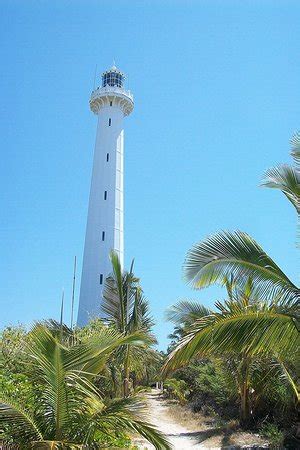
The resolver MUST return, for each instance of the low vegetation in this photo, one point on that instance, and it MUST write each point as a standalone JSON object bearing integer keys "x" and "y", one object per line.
{"x": 60, "y": 388}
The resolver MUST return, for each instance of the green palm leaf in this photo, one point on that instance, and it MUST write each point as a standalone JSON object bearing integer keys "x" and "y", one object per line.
{"x": 237, "y": 255}
{"x": 185, "y": 312}
{"x": 287, "y": 180}
{"x": 127, "y": 310}
{"x": 235, "y": 329}
{"x": 119, "y": 294}
{"x": 19, "y": 418}
{"x": 295, "y": 144}
{"x": 68, "y": 407}
{"x": 48, "y": 355}
{"x": 130, "y": 414}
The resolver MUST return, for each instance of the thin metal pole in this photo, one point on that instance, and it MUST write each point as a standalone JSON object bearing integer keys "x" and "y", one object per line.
{"x": 95, "y": 77}
{"x": 62, "y": 314}
{"x": 73, "y": 293}
{"x": 62, "y": 307}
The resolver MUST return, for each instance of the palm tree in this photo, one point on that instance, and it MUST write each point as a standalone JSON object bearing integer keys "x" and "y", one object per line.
{"x": 236, "y": 256}
{"x": 183, "y": 314}
{"x": 270, "y": 324}
{"x": 244, "y": 328}
{"x": 66, "y": 408}
{"x": 125, "y": 306}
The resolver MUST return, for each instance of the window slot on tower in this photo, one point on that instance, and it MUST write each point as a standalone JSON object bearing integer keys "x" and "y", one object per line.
{"x": 110, "y": 103}
{"x": 109, "y": 122}
{"x": 103, "y": 235}
{"x": 105, "y": 195}
{"x": 107, "y": 157}
{"x": 101, "y": 278}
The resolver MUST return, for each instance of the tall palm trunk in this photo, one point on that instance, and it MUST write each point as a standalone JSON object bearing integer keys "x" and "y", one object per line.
{"x": 244, "y": 388}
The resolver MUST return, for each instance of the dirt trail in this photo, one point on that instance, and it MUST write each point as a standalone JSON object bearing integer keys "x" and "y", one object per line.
{"x": 180, "y": 437}
{"x": 198, "y": 434}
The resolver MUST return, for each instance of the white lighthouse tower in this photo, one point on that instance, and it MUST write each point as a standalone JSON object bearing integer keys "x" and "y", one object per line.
{"x": 105, "y": 222}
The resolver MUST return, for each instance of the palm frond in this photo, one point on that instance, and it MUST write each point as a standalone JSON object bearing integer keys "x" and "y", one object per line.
{"x": 235, "y": 329}
{"x": 130, "y": 414}
{"x": 287, "y": 179}
{"x": 295, "y": 144}
{"x": 20, "y": 419}
{"x": 119, "y": 294}
{"x": 286, "y": 375}
{"x": 90, "y": 357}
{"x": 45, "y": 350}
{"x": 185, "y": 312}
{"x": 140, "y": 318}
{"x": 236, "y": 254}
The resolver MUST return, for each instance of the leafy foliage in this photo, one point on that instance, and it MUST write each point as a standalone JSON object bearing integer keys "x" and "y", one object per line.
{"x": 286, "y": 178}
{"x": 67, "y": 408}
{"x": 237, "y": 255}
{"x": 273, "y": 434}
{"x": 176, "y": 389}
{"x": 127, "y": 310}
{"x": 235, "y": 328}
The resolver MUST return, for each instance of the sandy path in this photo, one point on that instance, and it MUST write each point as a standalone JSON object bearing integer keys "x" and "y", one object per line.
{"x": 177, "y": 435}
{"x": 200, "y": 435}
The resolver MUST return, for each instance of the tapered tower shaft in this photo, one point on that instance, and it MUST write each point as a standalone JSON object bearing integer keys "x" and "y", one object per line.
{"x": 105, "y": 222}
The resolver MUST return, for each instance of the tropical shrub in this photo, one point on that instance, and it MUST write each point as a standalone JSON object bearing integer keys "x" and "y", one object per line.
{"x": 176, "y": 389}
{"x": 273, "y": 434}
{"x": 64, "y": 408}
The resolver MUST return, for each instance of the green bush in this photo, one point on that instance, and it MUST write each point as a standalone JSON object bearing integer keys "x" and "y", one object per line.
{"x": 212, "y": 387}
{"x": 142, "y": 389}
{"x": 271, "y": 432}
{"x": 176, "y": 389}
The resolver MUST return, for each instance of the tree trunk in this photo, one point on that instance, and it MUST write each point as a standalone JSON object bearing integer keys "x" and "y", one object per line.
{"x": 126, "y": 373}
{"x": 245, "y": 405}
{"x": 245, "y": 410}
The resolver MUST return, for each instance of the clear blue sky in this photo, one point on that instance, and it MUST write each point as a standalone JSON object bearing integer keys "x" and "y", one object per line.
{"x": 216, "y": 86}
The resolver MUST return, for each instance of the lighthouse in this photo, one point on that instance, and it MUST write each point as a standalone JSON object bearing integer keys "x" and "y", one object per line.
{"x": 105, "y": 221}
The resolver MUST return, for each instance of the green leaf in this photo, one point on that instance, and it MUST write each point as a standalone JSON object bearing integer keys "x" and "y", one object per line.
{"x": 22, "y": 421}
{"x": 237, "y": 255}
{"x": 256, "y": 329}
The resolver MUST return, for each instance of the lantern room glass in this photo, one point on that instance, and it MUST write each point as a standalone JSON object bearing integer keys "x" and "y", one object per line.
{"x": 112, "y": 79}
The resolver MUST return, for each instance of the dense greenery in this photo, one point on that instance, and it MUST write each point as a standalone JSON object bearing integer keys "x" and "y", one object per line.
{"x": 60, "y": 387}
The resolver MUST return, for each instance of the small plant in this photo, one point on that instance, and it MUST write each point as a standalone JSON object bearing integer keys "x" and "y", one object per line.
{"x": 176, "y": 389}
{"x": 140, "y": 389}
{"x": 271, "y": 432}
{"x": 208, "y": 410}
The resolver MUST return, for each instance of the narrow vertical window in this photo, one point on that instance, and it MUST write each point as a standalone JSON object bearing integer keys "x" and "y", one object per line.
{"x": 103, "y": 235}
{"x": 105, "y": 195}
{"x": 107, "y": 157}
{"x": 110, "y": 103}
{"x": 101, "y": 278}
{"x": 109, "y": 122}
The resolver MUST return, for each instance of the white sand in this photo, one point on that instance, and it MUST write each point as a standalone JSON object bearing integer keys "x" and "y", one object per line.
{"x": 175, "y": 433}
